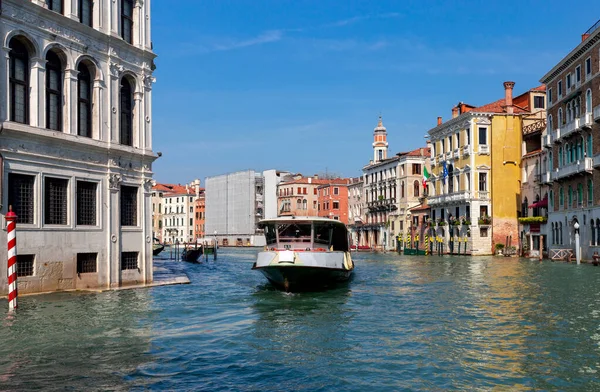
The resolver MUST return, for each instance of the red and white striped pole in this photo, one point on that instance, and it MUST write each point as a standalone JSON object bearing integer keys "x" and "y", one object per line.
{"x": 11, "y": 218}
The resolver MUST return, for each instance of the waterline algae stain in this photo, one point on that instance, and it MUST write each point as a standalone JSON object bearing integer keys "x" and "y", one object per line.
{"x": 415, "y": 323}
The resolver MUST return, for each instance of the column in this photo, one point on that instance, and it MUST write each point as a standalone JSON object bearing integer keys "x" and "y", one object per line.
{"x": 138, "y": 119}
{"x": 71, "y": 98}
{"x": 114, "y": 17}
{"x": 37, "y": 97}
{"x": 148, "y": 117}
{"x": 99, "y": 118}
{"x": 4, "y": 82}
{"x": 138, "y": 24}
{"x": 113, "y": 102}
{"x": 148, "y": 26}
{"x": 146, "y": 267}
{"x": 113, "y": 231}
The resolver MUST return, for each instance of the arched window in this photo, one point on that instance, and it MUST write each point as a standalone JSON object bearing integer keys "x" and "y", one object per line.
{"x": 550, "y": 163}
{"x": 570, "y": 197}
{"x": 402, "y": 189}
{"x": 524, "y": 207}
{"x": 561, "y": 197}
{"x": 416, "y": 188}
{"x": 589, "y": 146}
{"x": 588, "y": 101}
{"x": 304, "y": 204}
{"x": 551, "y": 200}
{"x": 597, "y": 231}
{"x": 580, "y": 144}
{"x": 569, "y": 112}
{"x": 553, "y": 239}
{"x": 86, "y": 12}
{"x": 580, "y": 194}
{"x": 560, "y": 233}
{"x": 126, "y": 118}
{"x": 450, "y": 179}
{"x": 299, "y": 204}
{"x": 577, "y": 105}
{"x": 19, "y": 81}
{"x": 84, "y": 101}
{"x": 560, "y": 156}
{"x": 560, "y": 117}
{"x": 590, "y": 186}
{"x": 54, "y": 91}
{"x": 550, "y": 124}
{"x": 127, "y": 20}
{"x": 593, "y": 227}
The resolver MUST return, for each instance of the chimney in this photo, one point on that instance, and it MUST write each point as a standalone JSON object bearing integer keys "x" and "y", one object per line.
{"x": 421, "y": 151}
{"x": 462, "y": 107}
{"x": 316, "y": 176}
{"x": 508, "y": 96}
{"x": 439, "y": 120}
{"x": 455, "y": 112}
{"x": 584, "y": 37}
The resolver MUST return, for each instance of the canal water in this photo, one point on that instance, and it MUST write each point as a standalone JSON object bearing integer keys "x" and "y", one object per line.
{"x": 402, "y": 323}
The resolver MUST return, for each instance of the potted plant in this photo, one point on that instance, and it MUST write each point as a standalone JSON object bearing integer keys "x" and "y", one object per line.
{"x": 442, "y": 223}
{"x": 499, "y": 249}
{"x": 485, "y": 220}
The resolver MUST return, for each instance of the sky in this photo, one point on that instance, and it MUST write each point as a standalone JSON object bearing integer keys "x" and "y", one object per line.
{"x": 299, "y": 85}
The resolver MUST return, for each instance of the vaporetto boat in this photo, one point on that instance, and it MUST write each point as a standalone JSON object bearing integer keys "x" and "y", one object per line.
{"x": 304, "y": 253}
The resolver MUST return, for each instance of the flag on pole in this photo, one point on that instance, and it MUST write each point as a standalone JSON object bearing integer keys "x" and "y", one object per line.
{"x": 445, "y": 173}
{"x": 425, "y": 178}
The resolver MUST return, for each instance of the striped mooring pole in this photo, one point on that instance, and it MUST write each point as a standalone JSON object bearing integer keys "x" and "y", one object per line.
{"x": 11, "y": 218}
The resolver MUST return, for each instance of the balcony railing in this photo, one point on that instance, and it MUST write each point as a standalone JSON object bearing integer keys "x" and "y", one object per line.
{"x": 484, "y": 149}
{"x": 585, "y": 165}
{"x": 449, "y": 198}
{"x": 432, "y": 162}
{"x": 571, "y": 127}
{"x": 586, "y": 120}
{"x": 547, "y": 140}
{"x": 449, "y": 155}
{"x": 466, "y": 150}
{"x": 456, "y": 153}
{"x": 546, "y": 177}
{"x": 597, "y": 113}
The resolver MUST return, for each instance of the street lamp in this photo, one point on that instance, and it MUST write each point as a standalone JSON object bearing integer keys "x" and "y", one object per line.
{"x": 577, "y": 250}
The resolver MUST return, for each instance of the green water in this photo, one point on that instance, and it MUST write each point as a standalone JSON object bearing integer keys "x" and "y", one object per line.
{"x": 402, "y": 323}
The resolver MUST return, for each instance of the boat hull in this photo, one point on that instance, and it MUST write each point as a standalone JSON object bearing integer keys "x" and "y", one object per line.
{"x": 304, "y": 278}
{"x": 191, "y": 255}
{"x": 298, "y": 271}
{"x": 157, "y": 249}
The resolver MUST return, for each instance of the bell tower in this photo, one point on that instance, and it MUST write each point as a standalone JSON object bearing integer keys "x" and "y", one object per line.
{"x": 380, "y": 144}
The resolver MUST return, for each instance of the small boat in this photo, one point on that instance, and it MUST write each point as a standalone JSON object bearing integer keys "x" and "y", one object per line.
{"x": 304, "y": 253}
{"x": 191, "y": 254}
{"x": 157, "y": 247}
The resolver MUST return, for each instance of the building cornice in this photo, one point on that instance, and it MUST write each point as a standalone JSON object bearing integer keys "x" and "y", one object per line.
{"x": 571, "y": 57}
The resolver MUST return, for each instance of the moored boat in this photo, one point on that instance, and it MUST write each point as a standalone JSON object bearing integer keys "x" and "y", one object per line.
{"x": 191, "y": 254}
{"x": 304, "y": 253}
{"x": 157, "y": 247}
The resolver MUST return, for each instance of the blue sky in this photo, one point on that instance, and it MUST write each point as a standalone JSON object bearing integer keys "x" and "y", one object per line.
{"x": 299, "y": 85}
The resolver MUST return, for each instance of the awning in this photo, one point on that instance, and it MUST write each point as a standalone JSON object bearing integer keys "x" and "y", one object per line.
{"x": 540, "y": 204}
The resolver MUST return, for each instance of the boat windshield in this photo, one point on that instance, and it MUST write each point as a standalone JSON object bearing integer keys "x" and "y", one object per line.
{"x": 327, "y": 236}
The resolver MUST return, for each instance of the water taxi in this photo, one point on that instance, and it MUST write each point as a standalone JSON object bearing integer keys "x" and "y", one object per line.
{"x": 304, "y": 253}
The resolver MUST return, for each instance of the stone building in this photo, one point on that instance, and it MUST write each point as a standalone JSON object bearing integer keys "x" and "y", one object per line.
{"x": 573, "y": 105}
{"x": 356, "y": 210}
{"x": 476, "y": 171}
{"x": 298, "y": 195}
{"x": 76, "y": 143}
{"x": 332, "y": 199}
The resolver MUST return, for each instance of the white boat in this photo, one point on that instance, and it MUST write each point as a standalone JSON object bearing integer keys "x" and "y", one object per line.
{"x": 304, "y": 253}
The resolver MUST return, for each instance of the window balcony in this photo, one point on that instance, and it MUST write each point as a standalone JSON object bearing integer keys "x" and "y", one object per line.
{"x": 546, "y": 177}
{"x": 581, "y": 166}
{"x": 556, "y": 134}
{"x": 466, "y": 150}
{"x": 484, "y": 195}
{"x": 586, "y": 120}
{"x": 455, "y": 197}
{"x": 597, "y": 113}
{"x": 456, "y": 153}
{"x": 570, "y": 128}
{"x": 449, "y": 155}
{"x": 484, "y": 149}
{"x": 547, "y": 140}
{"x": 432, "y": 162}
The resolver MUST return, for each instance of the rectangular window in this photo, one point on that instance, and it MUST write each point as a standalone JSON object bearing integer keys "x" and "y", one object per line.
{"x": 304, "y": 191}
{"x": 25, "y": 265}
{"x": 416, "y": 168}
{"x": 128, "y": 205}
{"x": 20, "y": 196}
{"x": 578, "y": 74}
{"x": 191, "y": 221}
{"x": 560, "y": 88}
{"x": 336, "y": 191}
{"x": 483, "y": 181}
{"x": 483, "y": 136}
{"x": 127, "y": 20}
{"x": 568, "y": 81}
{"x": 588, "y": 66}
{"x": 55, "y": 201}
{"x": 538, "y": 102}
{"x": 129, "y": 261}
{"x": 336, "y": 205}
{"x": 86, "y": 203}
{"x": 549, "y": 95}
{"x": 55, "y": 5}
{"x": 468, "y": 133}
{"x": 483, "y": 232}
{"x": 315, "y": 191}
{"x": 86, "y": 263}
{"x": 86, "y": 12}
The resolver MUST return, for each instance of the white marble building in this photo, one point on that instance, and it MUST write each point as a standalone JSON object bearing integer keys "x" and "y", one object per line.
{"x": 76, "y": 141}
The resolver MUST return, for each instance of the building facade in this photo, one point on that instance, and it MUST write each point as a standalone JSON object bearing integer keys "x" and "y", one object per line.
{"x": 76, "y": 143}
{"x": 298, "y": 196}
{"x": 332, "y": 200}
{"x": 356, "y": 210}
{"x": 200, "y": 214}
{"x": 476, "y": 172}
{"x": 573, "y": 146}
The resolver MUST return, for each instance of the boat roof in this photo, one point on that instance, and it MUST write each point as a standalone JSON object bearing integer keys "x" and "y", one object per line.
{"x": 301, "y": 219}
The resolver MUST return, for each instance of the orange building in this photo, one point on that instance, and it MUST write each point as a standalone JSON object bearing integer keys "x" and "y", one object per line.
{"x": 199, "y": 214}
{"x": 332, "y": 200}
{"x": 299, "y": 196}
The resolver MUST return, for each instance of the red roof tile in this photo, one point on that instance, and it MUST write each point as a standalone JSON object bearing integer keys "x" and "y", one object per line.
{"x": 497, "y": 107}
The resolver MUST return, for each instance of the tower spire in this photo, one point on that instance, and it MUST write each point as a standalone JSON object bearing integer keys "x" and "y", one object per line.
{"x": 380, "y": 144}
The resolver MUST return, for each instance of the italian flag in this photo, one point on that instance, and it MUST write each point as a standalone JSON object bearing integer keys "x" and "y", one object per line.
{"x": 425, "y": 177}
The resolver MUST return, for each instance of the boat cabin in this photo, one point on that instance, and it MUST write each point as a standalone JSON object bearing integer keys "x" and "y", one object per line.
{"x": 305, "y": 234}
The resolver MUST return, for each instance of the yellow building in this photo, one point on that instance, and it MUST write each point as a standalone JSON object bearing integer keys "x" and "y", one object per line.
{"x": 476, "y": 158}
